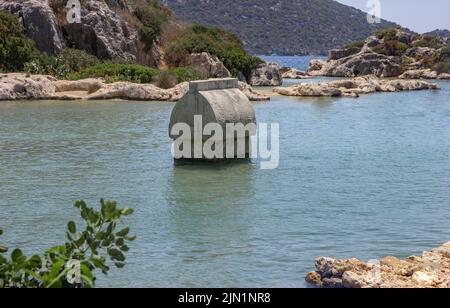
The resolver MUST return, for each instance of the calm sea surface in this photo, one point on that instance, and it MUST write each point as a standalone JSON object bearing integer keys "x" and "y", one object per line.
{"x": 362, "y": 178}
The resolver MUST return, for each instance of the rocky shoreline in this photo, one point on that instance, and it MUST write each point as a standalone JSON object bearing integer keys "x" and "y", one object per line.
{"x": 355, "y": 87}
{"x": 394, "y": 53}
{"x": 431, "y": 270}
{"x": 19, "y": 86}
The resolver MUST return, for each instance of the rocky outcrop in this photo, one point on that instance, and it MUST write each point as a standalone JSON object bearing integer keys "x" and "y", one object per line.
{"x": 431, "y": 270}
{"x": 424, "y": 74}
{"x": 363, "y": 63}
{"x": 251, "y": 93}
{"x": 292, "y": 73}
{"x": 336, "y": 54}
{"x": 266, "y": 74}
{"x": 25, "y": 86}
{"x": 207, "y": 65}
{"x": 21, "y": 86}
{"x": 103, "y": 33}
{"x": 389, "y": 54}
{"x": 108, "y": 30}
{"x": 40, "y": 23}
{"x": 355, "y": 87}
{"x": 420, "y": 52}
{"x": 316, "y": 67}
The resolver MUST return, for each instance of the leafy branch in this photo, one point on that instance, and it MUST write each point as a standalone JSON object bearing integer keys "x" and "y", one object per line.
{"x": 73, "y": 264}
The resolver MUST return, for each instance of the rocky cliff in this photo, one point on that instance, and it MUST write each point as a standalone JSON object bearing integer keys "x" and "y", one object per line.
{"x": 108, "y": 29}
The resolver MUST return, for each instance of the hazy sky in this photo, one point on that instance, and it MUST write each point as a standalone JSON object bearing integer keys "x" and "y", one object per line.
{"x": 418, "y": 15}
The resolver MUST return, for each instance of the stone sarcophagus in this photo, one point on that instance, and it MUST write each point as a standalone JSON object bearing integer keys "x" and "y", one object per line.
{"x": 214, "y": 121}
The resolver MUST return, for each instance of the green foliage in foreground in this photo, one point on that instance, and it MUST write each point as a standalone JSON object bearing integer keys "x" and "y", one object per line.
{"x": 15, "y": 47}
{"x": 226, "y": 46}
{"x": 72, "y": 265}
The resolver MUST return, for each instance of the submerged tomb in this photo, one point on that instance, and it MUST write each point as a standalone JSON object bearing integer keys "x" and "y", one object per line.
{"x": 214, "y": 121}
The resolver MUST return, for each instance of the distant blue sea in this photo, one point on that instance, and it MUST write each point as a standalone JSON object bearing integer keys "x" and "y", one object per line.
{"x": 300, "y": 63}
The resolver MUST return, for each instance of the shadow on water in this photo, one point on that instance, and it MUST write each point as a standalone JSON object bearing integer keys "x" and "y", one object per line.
{"x": 206, "y": 198}
{"x": 209, "y": 216}
{"x": 195, "y": 185}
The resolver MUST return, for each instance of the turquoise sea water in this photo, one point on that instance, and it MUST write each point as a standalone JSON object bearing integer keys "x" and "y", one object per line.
{"x": 364, "y": 178}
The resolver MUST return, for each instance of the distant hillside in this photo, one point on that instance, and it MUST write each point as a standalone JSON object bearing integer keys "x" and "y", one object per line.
{"x": 284, "y": 27}
{"x": 440, "y": 33}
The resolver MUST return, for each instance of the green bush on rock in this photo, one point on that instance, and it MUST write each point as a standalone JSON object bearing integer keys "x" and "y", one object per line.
{"x": 152, "y": 16}
{"x": 391, "y": 48}
{"x": 44, "y": 64}
{"x": 443, "y": 67}
{"x": 73, "y": 264}
{"x": 77, "y": 59}
{"x": 428, "y": 41}
{"x": 114, "y": 72}
{"x": 356, "y": 44}
{"x": 15, "y": 47}
{"x": 226, "y": 46}
{"x": 387, "y": 34}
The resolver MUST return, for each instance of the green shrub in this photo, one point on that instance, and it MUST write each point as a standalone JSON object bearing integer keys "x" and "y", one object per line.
{"x": 443, "y": 67}
{"x": 165, "y": 80}
{"x": 387, "y": 34}
{"x": 114, "y": 72}
{"x": 391, "y": 48}
{"x": 356, "y": 44}
{"x": 15, "y": 47}
{"x": 152, "y": 16}
{"x": 428, "y": 41}
{"x": 44, "y": 64}
{"x": 445, "y": 53}
{"x": 170, "y": 78}
{"x": 183, "y": 74}
{"x": 73, "y": 264}
{"x": 77, "y": 59}
{"x": 226, "y": 46}
{"x": 69, "y": 61}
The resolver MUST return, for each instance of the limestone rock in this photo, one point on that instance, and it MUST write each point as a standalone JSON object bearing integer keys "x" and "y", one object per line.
{"x": 104, "y": 33}
{"x": 421, "y": 52}
{"x": 252, "y": 94}
{"x": 355, "y": 87}
{"x": 19, "y": 86}
{"x": 431, "y": 270}
{"x": 364, "y": 63}
{"x": 424, "y": 74}
{"x": 40, "y": 23}
{"x": 292, "y": 73}
{"x": 22, "y": 86}
{"x": 367, "y": 60}
{"x": 336, "y": 54}
{"x": 266, "y": 74}
{"x": 316, "y": 67}
{"x": 207, "y": 65}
